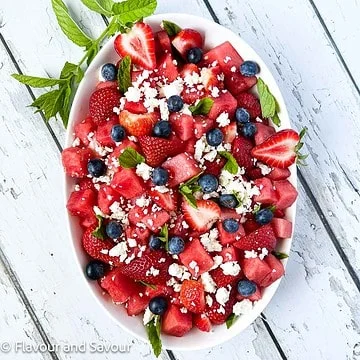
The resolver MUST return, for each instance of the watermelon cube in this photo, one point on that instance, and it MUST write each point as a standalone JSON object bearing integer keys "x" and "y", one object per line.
{"x": 229, "y": 253}
{"x": 190, "y": 146}
{"x": 225, "y": 102}
{"x": 75, "y": 160}
{"x": 139, "y": 234}
{"x": 279, "y": 174}
{"x": 276, "y": 270}
{"x": 103, "y": 132}
{"x": 163, "y": 290}
{"x": 167, "y": 200}
{"x": 228, "y": 238}
{"x": 179, "y": 229}
{"x": 267, "y": 193}
{"x": 127, "y": 183}
{"x": 89, "y": 221}
{"x": 286, "y": 194}
{"x": 167, "y": 68}
{"x": 106, "y": 197}
{"x": 229, "y": 214}
{"x": 237, "y": 83}
{"x": 162, "y": 42}
{"x": 194, "y": 251}
{"x": 136, "y": 304}
{"x": 282, "y": 228}
{"x": 256, "y": 270}
{"x": 202, "y": 125}
{"x": 175, "y": 322}
{"x": 81, "y": 203}
{"x": 181, "y": 167}
{"x": 263, "y": 132}
{"x": 155, "y": 220}
{"x": 83, "y": 129}
{"x": 183, "y": 125}
{"x": 137, "y": 214}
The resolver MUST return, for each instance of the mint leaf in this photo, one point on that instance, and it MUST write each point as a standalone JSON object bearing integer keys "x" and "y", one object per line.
{"x": 164, "y": 236}
{"x": 203, "y": 107}
{"x": 133, "y": 10}
{"x": 49, "y": 103}
{"x": 103, "y": 7}
{"x": 68, "y": 25}
{"x": 124, "y": 74}
{"x": 37, "y": 82}
{"x": 231, "y": 320}
{"x": 171, "y": 28}
{"x": 280, "y": 255}
{"x": 72, "y": 72}
{"x": 276, "y": 120}
{"x": 187, "y": 193}
{"x": 269, "y": 105}
{"x": 99, "y": 232}
{"x": 153, "y": 332}
{"x": 147, "y": 284}
{"x": 231, "y": 165}
{"x": 64, "y": 110}
{"x": 130, "y": 158}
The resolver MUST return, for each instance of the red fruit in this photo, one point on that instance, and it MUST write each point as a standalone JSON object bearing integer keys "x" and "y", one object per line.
{"x": 138, "y": 124}
{"x": 255, "y": 270}
{"x": 242, "y": 152}
{"x": 263, "y": 237}
{"x": 75, "y": 161}
{"x": 229, "y": 254}
{"x": 86, "y": 183}
{"x": 83, "y": 129}
{"x": 135, "y": 107}
{"x": 175, "y": 322}
{"x": 215, "y": 167}
{"x": 279, "y": 174}
{"x": 286, "y": 193}
{"x": 139, "y": 234}
{"x": 202, "y": 322}
{"x": 189, "y": 69}
{"x": 279, "y": 213}
{"x": 179, "y": 229}
{"x": 187, "y": 39}
{"x": 225, "y": 102}
{"x": 163, "y": 42}
{"x": 250, "y": 102}
{"x": 103, "y": 132}
{"x": 181, "y": 167}
{"x": 203, "y": 217}
{"x": 191, "y": 94}
{"x": 225, "y": 55}
{"x": 194, "y": 251}
{"x": 167, "y": 69}
{"x": 213, "y": 313}
{"x": 237, "y": 83}
{"x": 267, "y": 193}
{"x": 229, "y": 214}
{"x": 89, "y": 221}
{"x": 254, "y": 173}
{"x": 279, "y": 150}
{"x": 81, "y": 203}
{"x": 183, "y": 125}
{"x": 212, "y": 77}
{"x": 139, "y": 44}
{"x": 228, "y": 238}
{"x": 282, "y": 228}
{"x": 114, "y": 156}
{"x": 223, "y": 280}
{"x": 190, "y": 146}
{"x": 156, "y": 150}
{"x": 142, "y": 269}
{"x": 107, "y": 84}
{"x": 202, "y": 125}
{"x": 127, "y": 183}
{"x": 230, "y": 132}
{"x": 106, "y": 197}
{"x": 155, "y": 220}
{"x": 95, "y": 247}
{"x": 119, "y": 287}
{"x": 157, "y": 290}
{"x": 250, "y": 226}
{"x": 167, "y": 201}
{"x": 263, "y": 132}
{"x": 276, "y": 270}
{"x": 137, "y": 214}
{"x": 102, "y": 103}
{"x": 192, "y": 296}
{"x": 136, "y": 304}
{"x": 254, "y": 297}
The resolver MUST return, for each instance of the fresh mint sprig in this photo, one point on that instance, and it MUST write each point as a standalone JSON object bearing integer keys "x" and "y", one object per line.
{"x": 231, "y": 320}
{"x": 57, "y": 101}
{"x": 188, "y": 189}
{"x": 231, "y": 165}
{"x": 99, "y": 232}
{"x": 203, "y": 107}
{"x": 153, "y": 331}
{"x": 130, "y": 158}
{"x": 171, "y": 28}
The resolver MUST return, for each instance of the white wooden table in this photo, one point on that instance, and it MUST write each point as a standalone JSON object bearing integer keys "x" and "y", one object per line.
{"x": 312, "y": 48}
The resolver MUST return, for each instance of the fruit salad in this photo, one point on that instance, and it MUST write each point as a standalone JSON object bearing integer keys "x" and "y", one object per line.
{"x": 181, "y": 181}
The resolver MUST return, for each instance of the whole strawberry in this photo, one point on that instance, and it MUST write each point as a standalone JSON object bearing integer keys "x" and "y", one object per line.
{"x": 102, "y": 103}
{"x": 242, "y": 152}
{"x": 192, "y": 296}
{"x": 223, "y": 280}
{"x": 250, "y": 102}
{"x": 219, "y": 313}
{"x": 263, "y": 237}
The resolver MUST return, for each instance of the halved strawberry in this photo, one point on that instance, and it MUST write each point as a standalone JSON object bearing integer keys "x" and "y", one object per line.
{"x": 242, "y": 152}
{"x": 183, "y": 125}
{"x": 139, "y": 44}
{"x": 263, "y": 237}
{"x": 192, "y": 296}
{"x": 250, "y": 102}
{"x": 75, "y": 161}
{"x": 189, "y": 69}
{"x": 202, "y": 218}
{"x": 167, "y": 200}
{"x": 102, "y": 103}
{"x": 135, "y": 107}
{"x": 279, "y": 150}
{"x": 230, "y": 132}
{"x": 138, "y": 124}
{"x": 83, "y": 129}
{"x": 187, "y": 39}
{"x": 202, "y": 322}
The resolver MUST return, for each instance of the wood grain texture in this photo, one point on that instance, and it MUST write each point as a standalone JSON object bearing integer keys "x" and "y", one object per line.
{"x": 316, "y": 96}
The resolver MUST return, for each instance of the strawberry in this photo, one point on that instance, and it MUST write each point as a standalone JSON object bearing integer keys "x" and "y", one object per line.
{"x": 217, "y": 313}
{"x": 75, "y": 161}
{"x": 211, "y": 77}
{"x": 139, "y": 44}
{"x": 202, "y": 322}
{"x": 187, "y": 39}
{"x": 135, "y": 107}
{"x": 230, "y": 132}
{"x": 138, "y": 124}
{"x": 156, "y": 150}
{"x": 95, "y": 248}
{"x": 148, "y": 268}
{"x": 83, "y": 129}
{"x": 203, "y": 217}
{"x": 250, "y": 102}
{"x": 167, "y": 201}
{"x": 102, "y": 103}
{"x": 192, "y": 296}
{"x": 189, "y": 69}
{"x": 215, "y": 166}
{"x": 223, "y": 280}
{"x": 263, "y": 237}
{"x": 279, "y": 150}
{"x": 107, "y": 84}
{"x": 242, "y": 152}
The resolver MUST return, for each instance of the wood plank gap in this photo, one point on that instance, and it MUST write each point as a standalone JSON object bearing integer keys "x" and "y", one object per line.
{"x": 334, "y": 45}
{"x": 211, "y": 11}
{"x": 16, "y": 284}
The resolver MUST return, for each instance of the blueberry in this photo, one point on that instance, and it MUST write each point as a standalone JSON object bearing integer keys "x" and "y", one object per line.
{"x": 118, "y": 133}
{"x": 248, "y": 130}
{"x": 109, "y": 72}
{"x": 264, "y": 216}
{"x": 114, "y": 229}
{"x": 162, "y": 129}
{"x": 242, "y": 116}
{"x": 194, "y": 55}
{"x": 175, "y": 103}
{"x": 208, "y": 183}
{"x": 96, "y": 167}
{"x": 176, "y": 245}
{"x": 246, "y": 288}
{"x": 229, "y": 201}
{"x": 95, "y": 269}
{"x": 158, "y": 305}
{"x": 160, "y": 176}
{"x": 155, "y": 243}
{"x": 231, "y": 225}
{"x": 214, "y": 137}
{"x": 249, "y": 68}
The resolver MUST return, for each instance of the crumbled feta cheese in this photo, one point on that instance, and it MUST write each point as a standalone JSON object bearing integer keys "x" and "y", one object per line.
{"x": 148, "y": 316}
{"x": 209, "y": 300}
{"x": 215, "y": 92}
{"x": 183, "y": 310}
{"x": 116, "y": 110}
{"x": 223, "y": 119}
{"x": 208, "y": 282}
{"x": 119, "y": 250}
{"x": 222, "y": 295}
{"x": 174, "y": 88}
{"x": 118, "y": 213}
{"x": 143, "y": 201}
{"x": 161, "y": 189}
{"x": 133, "y": 94}
{"x": 152, "y": 272}
{"x": 76, "y": 142}
{"x": 210, "y": 240}
{"x": 242, "y": 307}
{"x": 250, "y": 254}
{"x": 132, "y": 242}
{"x": 179, "y": 271}
{"x": 231, "y": 268}
{"x": 265, "y": 170}
{"x": 77, "y": 187}
{"x": 143, "y": 170}
{"x": 233, "y": 69}
{"x": 264, "y": 252}
{"x": 218, "y": 259}
{"x": 221, "y": 310}
{"x": 98, "y": 212}
{"x": 227, "y": 59}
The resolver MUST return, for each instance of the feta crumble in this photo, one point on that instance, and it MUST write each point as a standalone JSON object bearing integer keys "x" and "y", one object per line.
{"x": 119, "y": 250}
{"x": 144, "y": 171}
{"x": 208, "y": 282}
{"x": 231, "y": 268}
{"x": 223, "y": 119}
{"x": 210, "y": 240}
{"x": 242, "y": 307}
{"x": 222, "y": 295}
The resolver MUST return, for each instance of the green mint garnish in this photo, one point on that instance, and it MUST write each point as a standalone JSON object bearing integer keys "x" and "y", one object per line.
{"x": 131, "y": 11}
{"x": 203, "y": 107}
{"x": 231, "y": 320}
{"x": 189, "y": 188}
{"x": 153, "y": 331}
{"x": 171, "y": 28}
{"x": 99, "y": 232}
{"x": 124, "y": 74}
{"x": 130, "y": 158}
{"x": 231, "y": 165}
{"x": 164, "y": 236}
{"x": 280, "y": 255}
